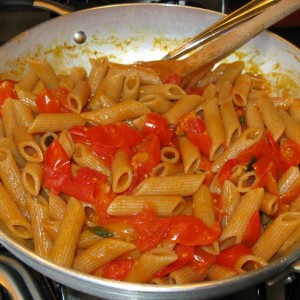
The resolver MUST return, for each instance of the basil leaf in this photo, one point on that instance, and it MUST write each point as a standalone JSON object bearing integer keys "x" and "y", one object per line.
{"x": 101, "y": 231}
{"x": 250, "y": 164}
{"x": 242, "y": 120}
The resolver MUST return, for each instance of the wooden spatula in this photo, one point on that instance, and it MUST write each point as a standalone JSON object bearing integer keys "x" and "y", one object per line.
{"x": 225, "y": 44}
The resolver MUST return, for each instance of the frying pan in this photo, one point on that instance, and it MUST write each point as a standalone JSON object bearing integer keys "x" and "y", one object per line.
{"x": 138, "y": 32}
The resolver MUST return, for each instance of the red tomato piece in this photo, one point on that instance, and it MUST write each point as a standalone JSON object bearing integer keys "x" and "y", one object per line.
{"x": 156, "y": 124}
{"x": 194, "y": 91}
{"x": 53, "y": 101}
{"x": 116, "y": 269}
{"x": 185, "y": 255}
{"x": 191, "y": 231}
{"x": 253, "y": 230}
{"x": 230, "y": 255}
{"x": 290, "y": 152}
{"x": 57, "y": 167}
{"x": 226, "y": 170}
{"x": 150, "y": 230}
{"x": 173, "y": 79}
{"x": 102, "y": 202}
{"x": 202, "y": 259}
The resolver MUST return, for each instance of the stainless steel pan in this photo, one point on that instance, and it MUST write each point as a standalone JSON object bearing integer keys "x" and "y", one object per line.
{"x": 137, "y": 32}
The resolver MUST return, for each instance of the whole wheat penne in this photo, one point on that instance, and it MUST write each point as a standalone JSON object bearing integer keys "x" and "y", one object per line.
{"x": 253, "y": 117}
{"x": 79, "y": 95}
{"x": 129, "y": 109}
{"x": 241, "y": 89}
{"x": 57, "y": 207}
{"x": 131, "y": 86}
{"x": 169, "y": 155}
{"x": 156, "y": 103}
{"x": 187, "y": 275}
{"x": 89, "y": 260}
{"x": 32, "y": 177}
{"x": 183, "y": 185}
{"x": 291, "y": 127}
{"x": 165, "y": 206}
{"x": 27, "y": 97}
{"x": 55, "y": 122}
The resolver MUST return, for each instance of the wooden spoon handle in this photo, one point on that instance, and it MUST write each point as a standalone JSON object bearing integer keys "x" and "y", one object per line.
{"x": 234, "y": 39}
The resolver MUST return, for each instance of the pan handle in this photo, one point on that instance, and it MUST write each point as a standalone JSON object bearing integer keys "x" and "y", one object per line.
{"x": 52, "y": 6}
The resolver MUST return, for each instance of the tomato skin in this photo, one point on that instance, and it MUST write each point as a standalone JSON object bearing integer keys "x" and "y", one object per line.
{"x": 226, "y": 170}
{"x": 229, "y": 256}
{"x": 253, "y": 230}
{"x": 6, "y": 91}
{"x": 173, "y": 79}
{"x": 202, "y": 259}
{"x": 57, "y": 167}
{"x": 150, "y": 230}
{"x": 53, "y": 101}
{"x": 290, "y": 152}
{"x": 116, "y": 269}
{"x": 185, "y": 254}
{"x": 156, "y": 124}
{"x": 191, "y": 231}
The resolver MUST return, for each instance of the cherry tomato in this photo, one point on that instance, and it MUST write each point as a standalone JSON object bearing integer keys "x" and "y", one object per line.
{"x": 253, "y": 230}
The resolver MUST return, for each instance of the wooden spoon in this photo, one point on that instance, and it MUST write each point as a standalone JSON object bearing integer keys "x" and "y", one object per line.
{"x": 225, "y": 44}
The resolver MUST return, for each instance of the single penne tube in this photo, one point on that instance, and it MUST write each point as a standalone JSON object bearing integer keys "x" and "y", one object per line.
{"x": 11, "y": 178}
{"x": 216, "y": 272}
{"x": 156, "y": 103}
{"x": 169, "y": 155}
{"x": 231, "y": 73}
{"x": 79, "y": 96}
{"x": 78, "y": 74}
{"x": 89, "y": 259}
{"x": 184, "y": 105}
{"x": 212, "y": 76}
{"x": 186, "y": 275}
{"x": 249, "y": 137}
{"x": 99, "y": 67}
{"x": 8, "y": 118}
{"x": 283, "y": 103}
{"x": 27, "y": 145}
{"x": 290, "y": 242}
{"x": 64, "y": 246}
{"x": 39, "y": 88}
{"x": 190, "y": 155}
{"x": 165, "y": 168}
{"x": 167, "y": 91}
{"x": 249, "y": 263}
{"x": 12, "y": 217}
{"x": 38, "y": 210}
{"x": 121, "y": 171}
{"x": 246, "y": 182}
{"x": 214, "y": 128}
{"x": 55, "y": 122}
{"x": 57, "y": 207}
{"x": 203, "y": 205}
{"x": 224, "y": 92}
{"x": 294, "y": 110}
{"x": 230, "y": 199}
{"x": 27, "y": 97}
{"x": 87, "y": 239}
{"x": 22, "y": 113}
{"x": 234, "y": 232}
{"x": 270, "y": 204}
{"x": 149, "y": 263}
{"x": 46, "y": 139}
{"x": 126, "y": 205}
{"x": 28, "y": 81}
{"x": 67, "y": 142}
{"x": 241, "y": 89}
{"x": 254, "y": 118}
{"x": 129, "y": 109}
{"x": 210, "y": 92}
{"x": 231, "y": 123}
{"x": 84, "y": 157}
{"x": 91, "y": 214}
{"x": 281, "y": 228}
{"x": 10, "y": 144}
{"x": 271, "y": 117}
{"x": 289, "y": 181}
{"x": 182, "y": 185}
{"x": 32, "y": 177}
{"x": 45, "y": 72}
{"x": 292, "y": 128}
{"x": 113, "y": 85}
{"x": 131, "y": 86}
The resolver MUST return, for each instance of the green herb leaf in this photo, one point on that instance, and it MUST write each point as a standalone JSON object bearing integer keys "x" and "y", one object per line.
{"x": 101, "y": 231}
{"x": 242, "y": 120}
{"x": 250, "y": 164}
